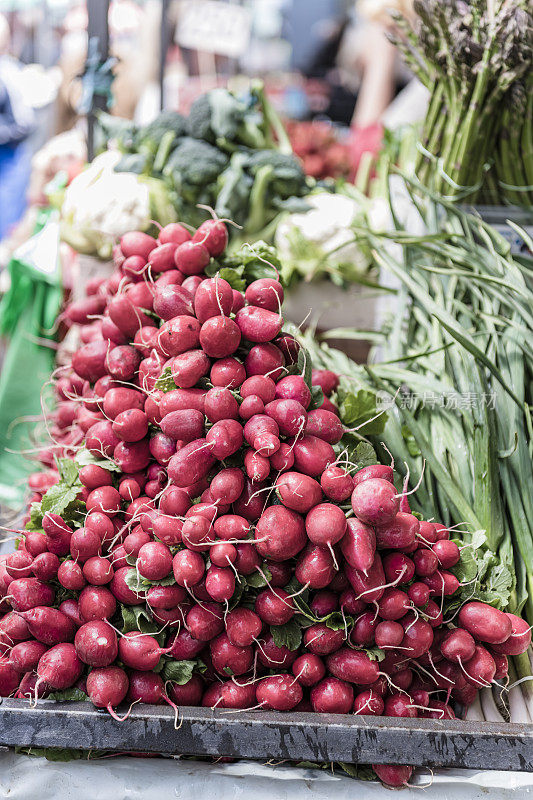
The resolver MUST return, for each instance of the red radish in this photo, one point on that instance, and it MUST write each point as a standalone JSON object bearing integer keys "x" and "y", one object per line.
{"x": 60, "y": 666}
{"x": 96, "y": 643}
{"x": 481, "y": 668}
{"x": 49, "y": 625}
{"x": 398, "y": 568}
{"x": 19, "y": 564}
{"x": 326, "y": 379}
{"x": 174, "y": 233}
{"x": 324, "y": 603}
{"x": 312, "y": 455}
{"x": 418, "y": 638}
{"x": 188, "y": 568}
{"x": 122, "y": 399}
{"x": 280, "y": 533}
{"x": 187, "y": 694}
{"x": 352, "y": 666}
{"x": 243, "y": 626}
{"x": 458, "y": 646}
{"x": 265, "y": 293}
{"x": 321, "y": 640}
{"x": 359, "y": 544}
{"x": 234, "y": 694}
{"x": 220, "y": 583}
{"x": 398, "y": 534}
{"x": 368, "y": 703}
{"x": 136, "y": 243}
{"x": 107, "y": 687}
{"x": 373, "y": 471}
{"x": 391, "y": 775}
{"x": 388, "y": 634}
{"x": 165, "y": 596}
{"x": 98, "y": 571}
{"x": 393, "y": 604}
{"x": 70, "y": 575}
{"x": 309, "y": 669}
{"x": 220, "y": 404}
{"x": 426, "y": 563}
{"x": 45, "y": 566}
{"x": 28, "y": 593}
{"x": 336, "y": 484}
{"x": 374, "y": 501}
{"x": 172, "y": 301}
{"x": 184, "y": 647}
{"x": 154, "y": 561}
{"x": 226, "y": 656}
{"x": 279, "y": 692}
{"x": 293, "y": 387}
{"x": 315, "y": 567}
{"x": 274, "y": 606}
{"x": 332, "y": 696}
{"x": 193, "y": 461}
{"x": 227, "y": 372}
{"x": 93, "y": 476}
{"x": 324, "y": 425}
{"x": 25, "y": 656}
{"x": 97, "y": 602}
{"x": 251, "y": 406}
{"x": 370, "y": 585}
{"x": 272, "y": 656}
{"x": 213, "y": 234}
{"x": 447, "y": 552}
{"x": 205, "y": 621}
{"x": 139, "y": 651}
{"x": 260, "y": 386}
{"x": 265, "y": 359}
{"x": 9, "y": 678}
{"x": 364, "y": 629}
{"x": 191, "y": 258}
{"x": 298, "y": 492}
{"x": 519, "y": 639}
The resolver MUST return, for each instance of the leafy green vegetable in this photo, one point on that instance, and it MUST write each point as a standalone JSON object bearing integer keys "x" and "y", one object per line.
{"x": 68, "y": 695}
{"x": 179, "y": 672}
{"x": 61, "y": 497}
{"x": 288, "y": 635}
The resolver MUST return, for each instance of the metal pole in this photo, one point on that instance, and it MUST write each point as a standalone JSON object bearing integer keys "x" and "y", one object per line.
{"x": 163, "y": 47}
{"x": 97, "y": 28}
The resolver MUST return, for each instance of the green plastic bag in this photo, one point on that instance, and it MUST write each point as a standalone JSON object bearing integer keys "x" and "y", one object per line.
{"x": 28, "y": 314}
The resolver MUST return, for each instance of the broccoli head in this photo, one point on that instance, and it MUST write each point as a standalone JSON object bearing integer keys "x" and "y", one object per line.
{"x": 221, "y": 118}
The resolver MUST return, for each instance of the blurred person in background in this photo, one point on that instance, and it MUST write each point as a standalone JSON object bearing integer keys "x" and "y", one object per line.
{"x": 16, "y": 125}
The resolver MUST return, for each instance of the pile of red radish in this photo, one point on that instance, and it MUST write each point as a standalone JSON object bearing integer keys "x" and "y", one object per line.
{"x": 231, "y": 518}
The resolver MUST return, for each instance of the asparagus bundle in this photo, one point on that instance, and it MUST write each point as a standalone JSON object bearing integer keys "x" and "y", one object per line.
{"x": 476, "y": 59}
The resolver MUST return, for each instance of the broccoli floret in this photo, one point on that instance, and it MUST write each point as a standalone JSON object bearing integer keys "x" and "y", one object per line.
{"x": 166, "y": 122}
{"x": 195, "y": 162}
{"x": 221, "y": 118}
{"x": 286, "y": 176}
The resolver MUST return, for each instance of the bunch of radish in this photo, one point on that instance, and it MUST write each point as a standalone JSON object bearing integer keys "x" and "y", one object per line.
{"x": 218, "y": 502}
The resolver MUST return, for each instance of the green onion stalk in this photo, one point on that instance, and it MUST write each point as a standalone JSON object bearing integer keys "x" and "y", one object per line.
{"x": 454, "y": 367}
{"x": 476, "y": 59}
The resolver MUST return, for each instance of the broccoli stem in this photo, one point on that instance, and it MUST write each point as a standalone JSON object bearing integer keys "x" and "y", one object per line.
{"x": 163, "y": 151}
{"x": 257, "y": 216}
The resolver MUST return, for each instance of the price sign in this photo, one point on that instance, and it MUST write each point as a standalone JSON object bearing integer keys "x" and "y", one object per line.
{"x": 214, "y": 27}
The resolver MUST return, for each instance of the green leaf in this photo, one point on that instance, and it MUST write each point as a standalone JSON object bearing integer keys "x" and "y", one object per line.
{"x": 256, "y": 580}
{"x": 412, "y": 445}
{"x": 289, "y": 635}
{"x": 84, "y": 458}
{"x": 179, "y": 672}
{"x": 358, "y": 409}
{"x": 68, "y": 471}
{"x": 317, "y": 397}
{"x": 59, "y": 497}
{"x": 68, "y": 695}
{"x": 305, "y": 366}
{"x": 233, "y": 275}
{"x": 365, "y": 455}
{"x": 36, "y": 518}
{"x": 60, "y": 753}
{"x": 137, "y": 618}
{"x": 165, "y": 382}
{"x": 336, "y": 621}
{"x": 135, "y": 582}
{"x": 375, "y": 654}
